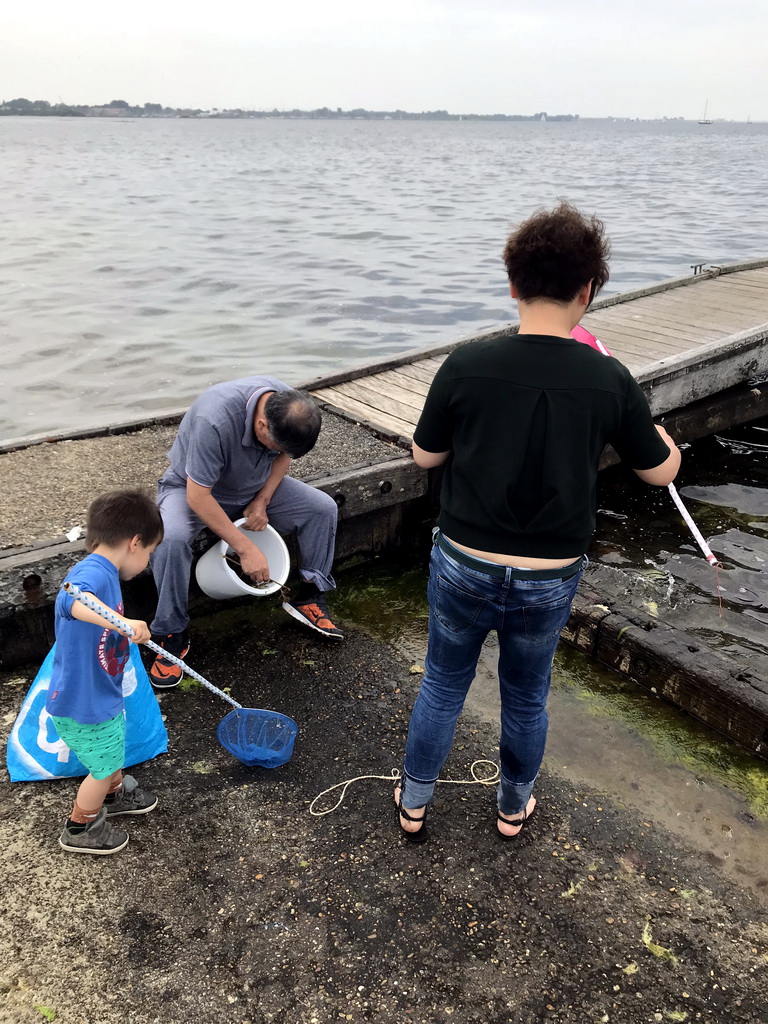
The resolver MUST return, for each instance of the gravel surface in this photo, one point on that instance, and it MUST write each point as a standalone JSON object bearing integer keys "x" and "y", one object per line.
{"x": 233, "y": 905}
{"x": 47, "y": 488}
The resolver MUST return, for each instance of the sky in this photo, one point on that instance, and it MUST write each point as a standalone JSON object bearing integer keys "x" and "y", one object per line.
{"x": 595, "y": 58}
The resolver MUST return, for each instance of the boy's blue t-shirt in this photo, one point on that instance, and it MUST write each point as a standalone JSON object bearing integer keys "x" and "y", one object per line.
{"x": 87, "y": 678}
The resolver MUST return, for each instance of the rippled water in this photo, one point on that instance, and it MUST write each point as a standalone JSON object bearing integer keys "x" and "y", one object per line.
{"x": 724, "y": 483}
{"x": 144, "y": 259}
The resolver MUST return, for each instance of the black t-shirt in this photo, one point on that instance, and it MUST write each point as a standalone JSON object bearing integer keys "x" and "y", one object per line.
{"x": 526, "y": 418}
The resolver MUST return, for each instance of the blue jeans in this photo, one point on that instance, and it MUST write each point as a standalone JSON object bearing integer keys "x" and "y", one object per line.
{"x": 465, "y": 604}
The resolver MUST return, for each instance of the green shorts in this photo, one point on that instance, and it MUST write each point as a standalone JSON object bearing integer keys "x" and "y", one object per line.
{"x": 100, "y": 746}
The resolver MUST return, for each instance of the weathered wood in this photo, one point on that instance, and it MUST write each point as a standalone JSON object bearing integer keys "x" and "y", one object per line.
{"x": 636, "y": 343}
{"x": 342, "y": 404}
{"x": 370, "y": 534}
{"x": 732, "y": 408}
{"x": 583, "y": 627}
{"x": 396, "y": 482}
{"x": 637, "y": 327}
{"x": 419, "y": 372}
{"x": 663, "y": 660}
{"x": 417, "y": 387}
{"x": 692, "y": 318}
{"x": 717, "y": 413}
{"x": 753, "y": 268}
{"x": 384, "y": 395}
{"x": 674, "y": 333}
{"x": 682, "y": 324}
{"x": 675, "y": 382}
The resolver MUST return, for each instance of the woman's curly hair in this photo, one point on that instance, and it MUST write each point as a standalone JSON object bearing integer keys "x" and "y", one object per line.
{"x": 553, "y": 254}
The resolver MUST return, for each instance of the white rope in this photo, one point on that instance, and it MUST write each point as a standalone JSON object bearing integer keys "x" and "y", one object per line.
{"x": 395, "y": 774}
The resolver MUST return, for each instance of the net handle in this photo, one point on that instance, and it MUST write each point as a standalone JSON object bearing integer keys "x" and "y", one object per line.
{"x": 691, "y": 525}
{"x": 84, "y": 598}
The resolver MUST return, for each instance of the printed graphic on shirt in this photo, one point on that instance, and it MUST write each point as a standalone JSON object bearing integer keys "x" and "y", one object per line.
{"x": 114, "y": 649}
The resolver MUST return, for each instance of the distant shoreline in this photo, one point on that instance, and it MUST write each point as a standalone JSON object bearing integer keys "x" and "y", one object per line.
{"x": 120, "y": 108}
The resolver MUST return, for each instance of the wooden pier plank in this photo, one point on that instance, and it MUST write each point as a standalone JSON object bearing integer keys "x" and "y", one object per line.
{"x": 417, "y": 372}
{"x": 693, "y": 318}
{"x": 666, "y": 324}
{"x": 658, "y": 323}
{"x": 371, "y": 392}
{"x": 418, "y": 387}
{"x": 654, "y": 346}
{"x": 620, "y": 338}
{"x": 365, "y": 413}
{"x": 389, "y": 389}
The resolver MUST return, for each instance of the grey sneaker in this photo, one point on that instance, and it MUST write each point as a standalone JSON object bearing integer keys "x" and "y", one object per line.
{"x": 130, "y": 799}
{"x": 98, "y": 837}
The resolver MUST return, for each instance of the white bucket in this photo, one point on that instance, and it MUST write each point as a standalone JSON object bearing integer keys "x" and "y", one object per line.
{"x": 218, "y": 578}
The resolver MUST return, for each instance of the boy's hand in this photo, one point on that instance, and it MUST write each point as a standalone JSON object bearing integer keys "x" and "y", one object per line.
{"x": 141, "y": 632}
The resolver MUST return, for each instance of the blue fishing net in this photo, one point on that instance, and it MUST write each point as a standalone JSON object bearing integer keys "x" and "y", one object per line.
{"x": 257, "y": 737}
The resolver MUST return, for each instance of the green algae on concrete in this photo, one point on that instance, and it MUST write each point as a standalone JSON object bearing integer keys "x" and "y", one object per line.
{"x": 388, "y": 597}
{"x": 676, "y": 737}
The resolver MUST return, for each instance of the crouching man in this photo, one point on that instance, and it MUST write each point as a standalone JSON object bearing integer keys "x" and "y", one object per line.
{"x": 230, "y": 460}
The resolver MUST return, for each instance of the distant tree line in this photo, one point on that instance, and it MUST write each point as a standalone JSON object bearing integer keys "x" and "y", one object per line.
{"x": 42, "y": 108}
{"x": 121, "y": 108}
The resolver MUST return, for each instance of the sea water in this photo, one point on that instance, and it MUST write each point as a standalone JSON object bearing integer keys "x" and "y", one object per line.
{"x": 143, "y": 259}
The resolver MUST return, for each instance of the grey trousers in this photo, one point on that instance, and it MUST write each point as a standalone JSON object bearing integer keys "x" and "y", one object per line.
{"x": 295, "y": 508}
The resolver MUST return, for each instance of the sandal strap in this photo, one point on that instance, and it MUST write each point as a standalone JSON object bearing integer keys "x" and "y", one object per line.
{"x": 405, "y": 814}
{"x": 512, "y": 821}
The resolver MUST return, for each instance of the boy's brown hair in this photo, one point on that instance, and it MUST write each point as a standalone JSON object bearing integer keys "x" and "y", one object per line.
{"x": 122, "y": 515}
{"x": 554, "y": 253}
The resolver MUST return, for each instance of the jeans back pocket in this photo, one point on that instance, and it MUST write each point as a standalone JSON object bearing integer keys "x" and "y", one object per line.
{"x": 455, "y": 607}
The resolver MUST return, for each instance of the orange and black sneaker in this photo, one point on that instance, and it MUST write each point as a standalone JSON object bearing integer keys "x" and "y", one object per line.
{"x": 313, "y": 612}
{"x": 164, "y": 673}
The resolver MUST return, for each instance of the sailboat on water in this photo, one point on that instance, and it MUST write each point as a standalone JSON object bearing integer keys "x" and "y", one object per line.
{"x": 704, "y": 119}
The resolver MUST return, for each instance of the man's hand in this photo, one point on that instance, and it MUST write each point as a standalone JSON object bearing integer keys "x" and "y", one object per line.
{"x": 140, "y": 629}
{"x": 255, "y": 564}
{"x": 255, "y": 513}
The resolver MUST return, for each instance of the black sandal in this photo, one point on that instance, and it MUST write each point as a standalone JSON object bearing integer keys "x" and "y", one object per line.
{"x": 420, "y": 834}
{"x": 522, "y": 822}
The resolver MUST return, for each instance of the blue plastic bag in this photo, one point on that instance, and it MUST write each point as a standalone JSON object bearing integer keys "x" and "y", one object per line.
{"x": 35, "y": 751}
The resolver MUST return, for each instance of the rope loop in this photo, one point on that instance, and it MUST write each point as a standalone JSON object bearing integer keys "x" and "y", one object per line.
{"x": 488, "y": 778}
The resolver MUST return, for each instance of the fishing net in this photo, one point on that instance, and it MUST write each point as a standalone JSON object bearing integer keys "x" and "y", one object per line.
{"x": 252, "y": 735}
{"x": 258, "y": 737}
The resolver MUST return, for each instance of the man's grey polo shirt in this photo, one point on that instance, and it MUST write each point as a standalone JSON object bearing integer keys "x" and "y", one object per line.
{"x": 216, "y": 447}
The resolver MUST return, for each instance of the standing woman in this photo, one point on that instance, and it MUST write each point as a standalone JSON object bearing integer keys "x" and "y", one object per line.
{"x": 520, "y": 423}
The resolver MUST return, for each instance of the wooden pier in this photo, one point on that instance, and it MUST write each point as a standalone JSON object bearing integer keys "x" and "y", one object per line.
{"x": 684, "y": 340}
{"x": 697, "y": 345}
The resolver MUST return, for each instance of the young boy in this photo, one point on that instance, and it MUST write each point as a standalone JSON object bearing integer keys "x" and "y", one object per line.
{"x": 85, "y": 698}
{"x": 520, "y": 423}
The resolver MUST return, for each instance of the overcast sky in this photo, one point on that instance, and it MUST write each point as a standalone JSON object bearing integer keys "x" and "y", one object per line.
{"x": 638, "y": 58}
